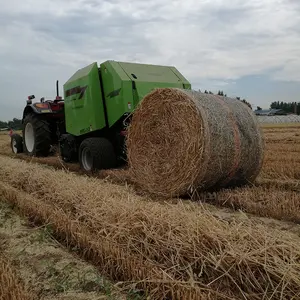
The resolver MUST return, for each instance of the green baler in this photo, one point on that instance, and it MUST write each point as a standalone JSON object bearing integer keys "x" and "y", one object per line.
{"x": 90, "y": 123}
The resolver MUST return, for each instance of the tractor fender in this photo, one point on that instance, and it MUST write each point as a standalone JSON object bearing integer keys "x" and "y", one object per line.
{"x": 37, "y": 108}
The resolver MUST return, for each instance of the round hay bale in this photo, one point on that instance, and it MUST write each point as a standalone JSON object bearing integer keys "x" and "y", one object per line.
{"x": 180, "y": 141}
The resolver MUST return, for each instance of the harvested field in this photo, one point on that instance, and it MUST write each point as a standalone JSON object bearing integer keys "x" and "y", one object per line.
{"x": 48, "y": 271}
{"x": 280, "y": 201}
{"x": 11, "y": 287}
{"x": 163, "y": 247}
{"x": 238, "y": 243}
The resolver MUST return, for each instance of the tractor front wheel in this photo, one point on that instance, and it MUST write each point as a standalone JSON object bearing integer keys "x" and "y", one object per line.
{"x": 96, "y": 154}
{"x": 36, "y": 136}
{"x": 16, "y": 143}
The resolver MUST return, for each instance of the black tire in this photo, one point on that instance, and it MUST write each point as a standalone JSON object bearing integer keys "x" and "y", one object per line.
{"x": 16, "y": 143}
{"x": 67, "y": 157}
{"x": 41, "y": 144}
{"x": 68, "y": 148}
{"x": 100, "y": 152}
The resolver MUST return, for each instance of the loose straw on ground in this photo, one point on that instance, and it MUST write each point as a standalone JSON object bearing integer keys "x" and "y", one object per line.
{"x": 11, "y": 286}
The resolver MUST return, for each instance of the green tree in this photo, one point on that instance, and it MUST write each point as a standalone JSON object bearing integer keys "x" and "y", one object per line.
{"x": 288, "y": 107}
{"x": 3, "y": 124}
{"x": 247, "y": 103}
{"x": 15, "y": 124}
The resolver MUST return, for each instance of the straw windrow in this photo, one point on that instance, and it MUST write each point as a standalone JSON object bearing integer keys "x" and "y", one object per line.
{"x": 173, "y": 251}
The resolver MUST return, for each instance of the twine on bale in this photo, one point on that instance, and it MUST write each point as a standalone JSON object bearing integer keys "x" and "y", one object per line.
{"x": 180, "y": 141}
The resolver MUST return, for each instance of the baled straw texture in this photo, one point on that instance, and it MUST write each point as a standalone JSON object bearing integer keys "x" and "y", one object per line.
{"x": 180, "y": 141}
{"x": 172, "y": 251}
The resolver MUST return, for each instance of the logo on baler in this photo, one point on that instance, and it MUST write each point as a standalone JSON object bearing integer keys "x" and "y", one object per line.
{"x": 114, "y": 93}
{"x": 76, "y": 90}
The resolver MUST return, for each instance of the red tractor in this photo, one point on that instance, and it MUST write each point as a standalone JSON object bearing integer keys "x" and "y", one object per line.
{"x": 42, "y": 123}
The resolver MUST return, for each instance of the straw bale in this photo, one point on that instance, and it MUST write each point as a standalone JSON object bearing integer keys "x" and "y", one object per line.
{"x": 180, "y": 141}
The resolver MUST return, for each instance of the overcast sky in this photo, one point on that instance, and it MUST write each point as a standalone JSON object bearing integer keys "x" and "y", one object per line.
{"x": 247, "y": 48}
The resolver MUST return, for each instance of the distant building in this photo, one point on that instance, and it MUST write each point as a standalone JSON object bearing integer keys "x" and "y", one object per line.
{"x": 3, "y": 129}
{"x": 270, "y": 112}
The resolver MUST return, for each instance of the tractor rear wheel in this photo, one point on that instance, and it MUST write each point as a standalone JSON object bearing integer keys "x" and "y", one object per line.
{"x": 97, "y": 154}
{"x": 36, "y": 136}
{"x": 16, "y": 143}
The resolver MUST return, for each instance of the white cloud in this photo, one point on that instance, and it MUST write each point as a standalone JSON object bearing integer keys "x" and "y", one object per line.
{"x": 208, "y": 41}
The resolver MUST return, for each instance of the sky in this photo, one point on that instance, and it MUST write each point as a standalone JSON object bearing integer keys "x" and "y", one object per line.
{"x": 246, "y": 48}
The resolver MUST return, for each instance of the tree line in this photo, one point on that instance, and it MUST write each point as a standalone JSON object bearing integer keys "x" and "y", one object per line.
{"x": 289, "y": 107}
{"x": 15, "y": 124}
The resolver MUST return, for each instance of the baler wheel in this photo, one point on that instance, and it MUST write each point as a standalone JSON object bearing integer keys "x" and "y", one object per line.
{"x": 97, "y": 154}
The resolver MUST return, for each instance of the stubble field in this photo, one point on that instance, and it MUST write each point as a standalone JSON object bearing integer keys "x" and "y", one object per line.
{"x": 234, "y": 244}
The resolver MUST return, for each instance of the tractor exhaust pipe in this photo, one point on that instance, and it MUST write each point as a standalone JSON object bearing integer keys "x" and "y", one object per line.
{"x": 57, "y": 89}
